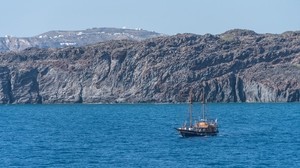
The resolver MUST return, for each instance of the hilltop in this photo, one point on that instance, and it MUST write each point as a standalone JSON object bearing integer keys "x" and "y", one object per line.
{"x": 60, "y": 39}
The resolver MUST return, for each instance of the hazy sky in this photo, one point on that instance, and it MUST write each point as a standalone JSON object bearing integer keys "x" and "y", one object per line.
{"x": 32, "y": 17}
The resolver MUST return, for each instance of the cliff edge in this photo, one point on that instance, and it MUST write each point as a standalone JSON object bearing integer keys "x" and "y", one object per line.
{"x": 236, "y": 66}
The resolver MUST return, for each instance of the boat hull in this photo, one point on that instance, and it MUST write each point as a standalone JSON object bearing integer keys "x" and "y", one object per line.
{"x": 192, "y": 133}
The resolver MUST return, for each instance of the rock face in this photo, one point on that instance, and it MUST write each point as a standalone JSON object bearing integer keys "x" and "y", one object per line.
{"x": 236, "y": 66}
{"x": 60, "y": 39}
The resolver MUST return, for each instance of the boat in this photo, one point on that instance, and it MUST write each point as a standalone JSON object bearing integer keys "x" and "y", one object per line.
{"x": 201, "y": 127}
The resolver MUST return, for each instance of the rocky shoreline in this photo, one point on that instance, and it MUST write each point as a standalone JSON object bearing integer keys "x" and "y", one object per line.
{"x": 236, "y": 66}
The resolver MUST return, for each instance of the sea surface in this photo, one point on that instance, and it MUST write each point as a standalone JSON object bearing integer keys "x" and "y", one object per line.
{"x": 143, "y": 135}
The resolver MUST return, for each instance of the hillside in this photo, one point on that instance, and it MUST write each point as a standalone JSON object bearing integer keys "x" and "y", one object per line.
{"x": 236, "y": 66}
{"x": 60, "y": 39}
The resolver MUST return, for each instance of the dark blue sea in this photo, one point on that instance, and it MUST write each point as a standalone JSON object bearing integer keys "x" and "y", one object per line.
{"x": 143, "y": 135}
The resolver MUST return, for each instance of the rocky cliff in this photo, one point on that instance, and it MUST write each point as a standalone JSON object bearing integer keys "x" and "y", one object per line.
{"x": 60, "y": 39}
{"x": 236, "y": 66}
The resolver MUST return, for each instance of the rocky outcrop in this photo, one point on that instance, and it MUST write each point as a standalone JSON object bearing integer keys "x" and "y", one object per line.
{"x": 60, "y": 39}
{"x": 236, "y": 66}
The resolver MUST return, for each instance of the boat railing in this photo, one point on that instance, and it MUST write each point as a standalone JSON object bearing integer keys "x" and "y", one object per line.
{"x": 209, "y": 120}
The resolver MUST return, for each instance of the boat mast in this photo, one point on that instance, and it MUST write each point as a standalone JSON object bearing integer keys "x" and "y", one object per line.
{"x": 203, "y": 105}
{"x": 191, "y": 110}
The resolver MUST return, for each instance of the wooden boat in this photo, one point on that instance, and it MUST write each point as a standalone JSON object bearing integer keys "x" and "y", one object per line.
{"x": 202, "y": 127}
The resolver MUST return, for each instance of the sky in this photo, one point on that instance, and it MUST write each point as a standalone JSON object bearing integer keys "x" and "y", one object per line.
{"x": 25, "y": 18}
